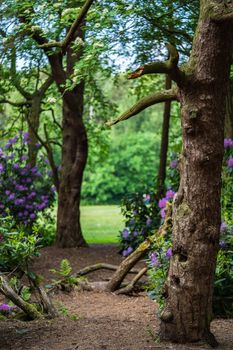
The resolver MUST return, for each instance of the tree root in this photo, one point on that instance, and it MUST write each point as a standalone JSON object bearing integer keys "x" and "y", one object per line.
{"x": 29, "y": 309}
{"x": 129, "y": 288}
{"x": 99, "y": 266}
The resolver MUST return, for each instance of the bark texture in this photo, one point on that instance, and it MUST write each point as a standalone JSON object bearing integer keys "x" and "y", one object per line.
{"x": 229, "y": 111}
{"x": 74, "y": 153}
{"x": 74, "y": 156}
{"x": 196, "y": 213}
{"x": 164, "y": 142}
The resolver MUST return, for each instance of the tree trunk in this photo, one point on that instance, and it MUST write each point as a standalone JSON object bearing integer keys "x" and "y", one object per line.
{"x": 74, "y": 157}
{"x": 229, "y": 111}
{"x": 164, "y": 143}
{"x": 34, "y": 120}
{"x": 196, "y": 213}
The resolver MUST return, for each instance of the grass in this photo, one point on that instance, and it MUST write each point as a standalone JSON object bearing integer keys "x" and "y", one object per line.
{"x": 101, "y": 223}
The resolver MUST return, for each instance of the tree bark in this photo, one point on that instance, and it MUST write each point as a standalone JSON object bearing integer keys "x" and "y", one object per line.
{"x": 74, "y": 157}
{"x": 196, "y": 213}
{"x": 164, "y": 143}
{"x": 229, "y": 111}
{"x": 34, "y": 119}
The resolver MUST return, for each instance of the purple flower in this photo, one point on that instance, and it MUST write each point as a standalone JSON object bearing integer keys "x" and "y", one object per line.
{"x": 169, "y": 253}
{"x": 16, "y": 166}
{"x": 7, "y": 192}
{"x": 222, "y": 243}
{"x": 230, "y": 163}
{"x": 127, "y": 251}
{"x": 125, "y": 233}
{"x": 1, "y": 168}
{"x": 13, "y": 140}
{"x": 135, "y": 233}
{"x": 5, "y": 307}
{"x": 170, "y": 194}
{"x": 26, "y": 138}
{"x": 38, "y": 145}
{"x": 32, "y": 216}
{"x": 163, "y": 213}
{"x": 223, "y": 226}
{"x": 1, "y": 153}
{"x": 11, "y": 196}
{"x": 154, "y": 259}
{"x": 24, "y": 157}
{"x": 173, "y": 164}
{"x": 228, "y": 143}
{"x": 148, "y": 222}
{"x": 131, "y": 222}
{"x": 1, "y": 238}
{"x": 162, "y": 203}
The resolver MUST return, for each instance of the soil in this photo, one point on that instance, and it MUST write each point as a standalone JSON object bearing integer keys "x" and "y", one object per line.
{"x": 96, "y": 320}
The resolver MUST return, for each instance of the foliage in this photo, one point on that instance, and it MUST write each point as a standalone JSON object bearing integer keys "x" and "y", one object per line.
{"x": 158, "y": 258}
{"x": 64, "y": 273}
{"x": 131, "y": 164}
{"x": 24, "y": 190}
{"x": 45, "y": 225}
{"x": 141, "y": 218}
{"x": 16, "y": 248}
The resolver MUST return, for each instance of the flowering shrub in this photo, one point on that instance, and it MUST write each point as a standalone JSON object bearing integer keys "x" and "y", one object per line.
{"x": 158, "y": 260}
{"x": 141, "y": 214}
{"x": 24, "y": 190}
{"x": 158, "y": 264}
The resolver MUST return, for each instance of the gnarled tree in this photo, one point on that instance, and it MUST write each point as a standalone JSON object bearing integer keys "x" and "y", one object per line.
{"x": 201, "y": 91}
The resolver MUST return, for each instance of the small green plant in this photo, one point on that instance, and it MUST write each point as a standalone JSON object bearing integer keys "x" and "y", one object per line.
{"x": 17, "y": 248}
{"x": 64, "y": 274}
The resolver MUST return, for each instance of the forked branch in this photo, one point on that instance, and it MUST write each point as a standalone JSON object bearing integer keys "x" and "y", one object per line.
{"x": 162, "y": 96}
{"x": 69, "y": 37}
{"x": 169, "y": 67}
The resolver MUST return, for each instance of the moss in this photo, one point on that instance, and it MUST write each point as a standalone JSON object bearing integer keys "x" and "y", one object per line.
{"x": 182, "y": 211}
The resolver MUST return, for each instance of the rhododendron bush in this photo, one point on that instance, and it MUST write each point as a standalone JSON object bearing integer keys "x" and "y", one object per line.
{"x": 24, "y": 190}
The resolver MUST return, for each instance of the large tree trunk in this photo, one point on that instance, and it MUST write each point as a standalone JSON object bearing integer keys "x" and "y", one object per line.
{"x": 33, "y": 126}
{"x": 74, "y": 157}
{"x": 164, "y": 143}
{"x": 229, "y": 111}
{"x": 196, "y": 213}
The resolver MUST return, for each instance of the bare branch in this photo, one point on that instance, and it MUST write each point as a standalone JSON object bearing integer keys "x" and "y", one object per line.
{"x": 162, "y": 96}
{"x": 69, "y": 37}
{"x": 46, "y": 144}
{"x": 169, "y": 67}
{"x": 44, "y": 87}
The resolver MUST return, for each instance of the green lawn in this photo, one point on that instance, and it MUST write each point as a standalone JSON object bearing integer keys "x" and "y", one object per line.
{"x": 101, "y": 223}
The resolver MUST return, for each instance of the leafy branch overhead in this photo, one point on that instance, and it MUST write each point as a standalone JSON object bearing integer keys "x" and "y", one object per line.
{"x": 39, "y": 36}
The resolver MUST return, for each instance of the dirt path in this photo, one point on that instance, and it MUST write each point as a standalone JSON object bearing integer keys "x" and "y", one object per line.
{"x": 104, "y": 320}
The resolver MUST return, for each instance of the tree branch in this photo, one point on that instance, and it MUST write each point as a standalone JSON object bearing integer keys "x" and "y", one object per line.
{"x": 169, "y": 67}
{"x": 162, "y": 96}
{"x": 44, "y": 87}
{"x": 222, "y": 12}
{"x": 69, "y": 37}
{"x": 15, "y": 104}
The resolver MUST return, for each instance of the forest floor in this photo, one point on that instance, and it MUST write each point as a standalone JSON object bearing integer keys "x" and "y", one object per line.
{"x": 103, "y": 320}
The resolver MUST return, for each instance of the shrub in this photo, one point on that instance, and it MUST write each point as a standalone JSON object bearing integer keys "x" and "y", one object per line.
{"x": 143, "y": 214}
{"x": 24, "y": 190}
{"x": 158, "y": 259}
{"x": 16, "y": 248}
